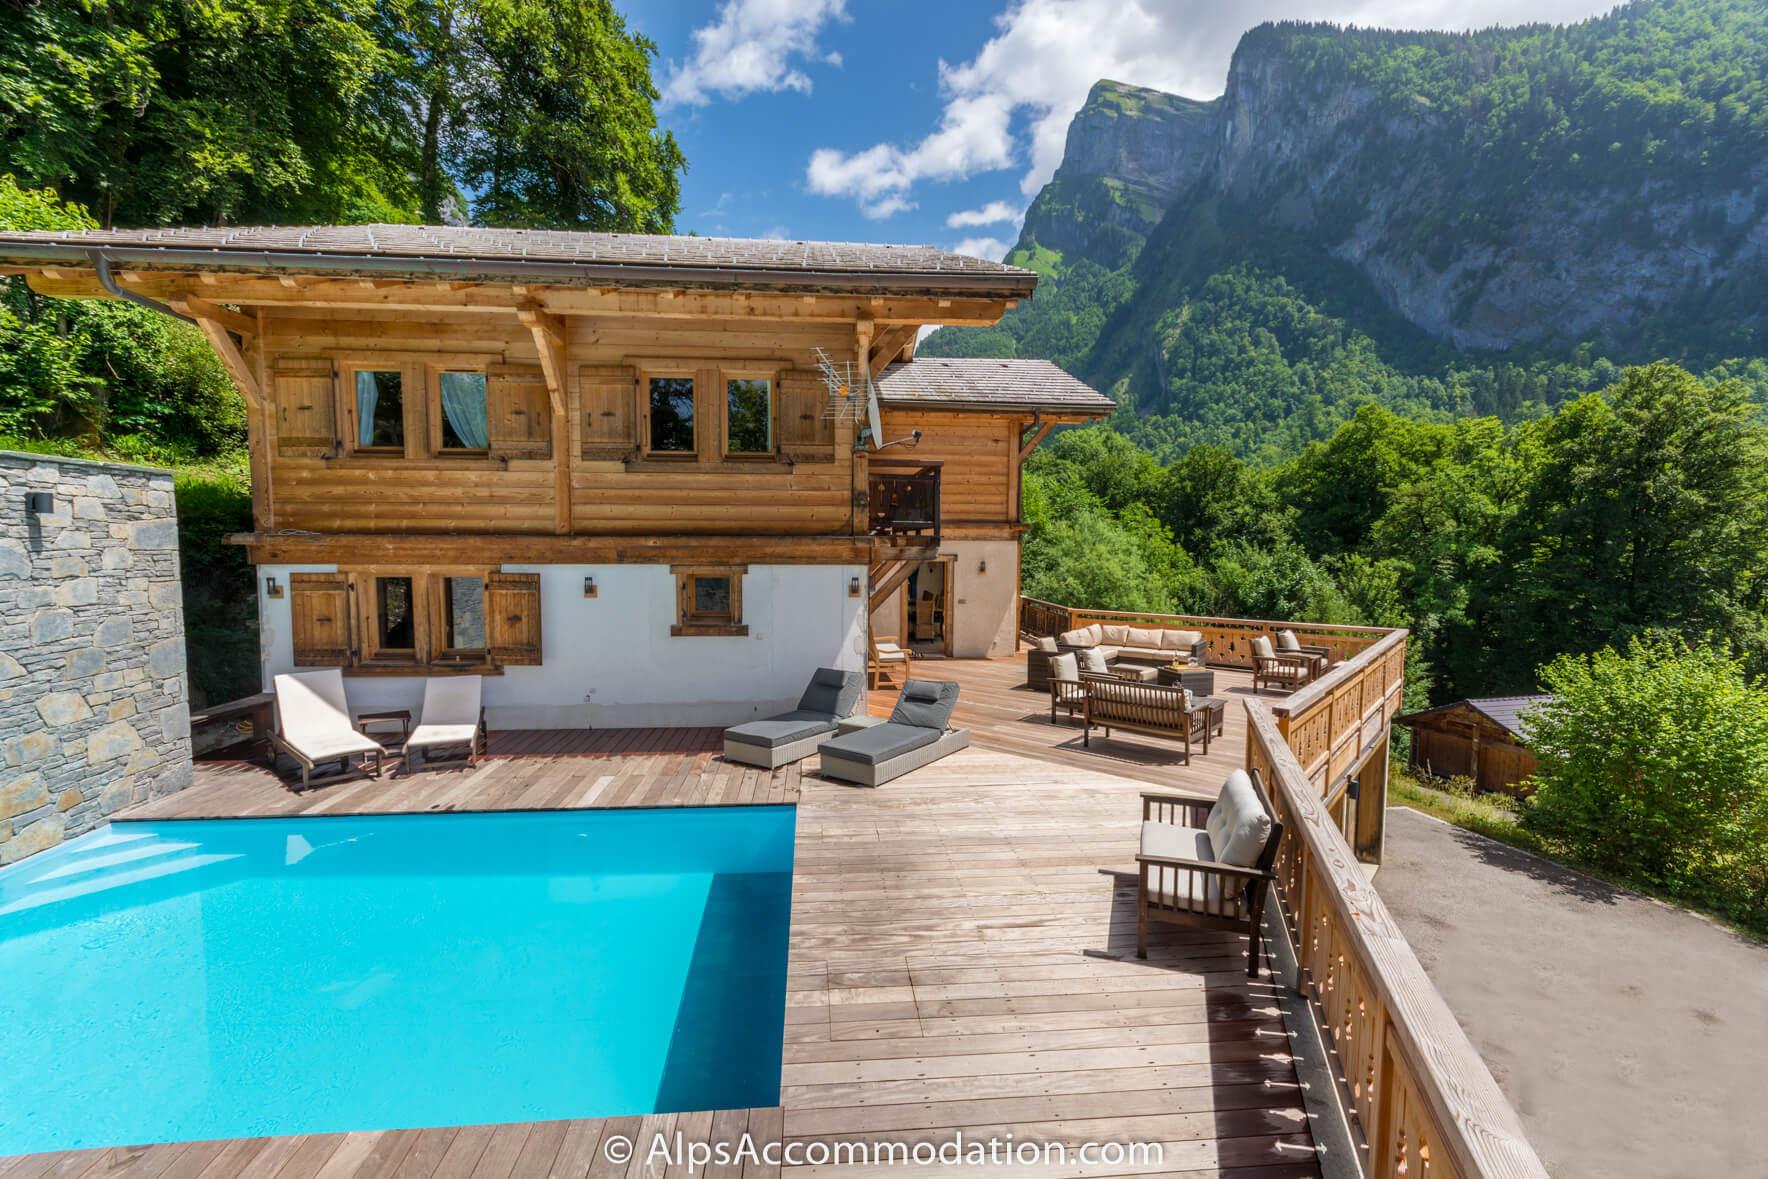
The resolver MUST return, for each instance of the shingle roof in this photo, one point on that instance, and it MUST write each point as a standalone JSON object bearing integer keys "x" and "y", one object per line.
{"x": 460, "y": 250}
{"x": 982, "y": 383}
{"x": 1504, "y": 711}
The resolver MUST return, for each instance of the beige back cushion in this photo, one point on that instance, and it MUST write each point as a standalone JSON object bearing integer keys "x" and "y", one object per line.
{"x": 1092, "y": 659}
{"x": 1286, "y": 640}
{"x": 1238, "y": 824}
{"x": 1143, "y": 637}
{"x": 1114, "y": 633}
{"x": 1047, "y": 645}
{"x": 1178, "y": 640}
{"x": 1063, "y": 667}
{"x": 1261, "y": 646}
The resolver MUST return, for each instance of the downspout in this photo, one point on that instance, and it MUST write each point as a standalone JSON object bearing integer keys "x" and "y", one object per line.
{"x": 101, "y": 265}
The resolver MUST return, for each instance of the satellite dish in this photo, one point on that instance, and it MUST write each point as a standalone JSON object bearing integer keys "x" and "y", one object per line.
{"x": 873, "y": 422}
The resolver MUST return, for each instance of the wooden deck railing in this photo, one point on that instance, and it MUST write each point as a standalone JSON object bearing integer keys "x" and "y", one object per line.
{"x": 1422, "y": 1099}
{"x": 1230, "y": 639}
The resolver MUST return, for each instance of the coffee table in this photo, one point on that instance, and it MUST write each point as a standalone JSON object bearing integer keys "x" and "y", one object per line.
{"x": 1200, "y": 680}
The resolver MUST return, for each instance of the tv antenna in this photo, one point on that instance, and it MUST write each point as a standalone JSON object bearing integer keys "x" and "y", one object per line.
{"x": 853, "y": 398}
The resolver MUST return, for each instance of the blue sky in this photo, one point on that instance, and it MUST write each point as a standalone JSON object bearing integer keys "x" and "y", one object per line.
{"x": 922, "y": 121}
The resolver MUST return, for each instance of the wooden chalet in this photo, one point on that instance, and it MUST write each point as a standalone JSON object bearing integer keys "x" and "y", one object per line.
{"x": 1485, "y": 740}
{"x": 604, "y": 469}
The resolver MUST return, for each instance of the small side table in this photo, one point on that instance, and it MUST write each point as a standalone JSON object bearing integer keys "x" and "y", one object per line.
{"x": 385, "y": 718}
{"x": 1215, "y": 708}
{"x": 854, "y": 724}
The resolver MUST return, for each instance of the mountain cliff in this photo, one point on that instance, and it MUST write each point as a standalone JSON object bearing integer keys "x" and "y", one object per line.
{"x": 1445, "y": 223}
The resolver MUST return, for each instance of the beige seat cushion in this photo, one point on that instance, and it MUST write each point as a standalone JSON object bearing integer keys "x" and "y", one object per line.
{"x": 1238, "y": 824}
{"x": 425, "y": 736}
{"x": 1176, "y": 887}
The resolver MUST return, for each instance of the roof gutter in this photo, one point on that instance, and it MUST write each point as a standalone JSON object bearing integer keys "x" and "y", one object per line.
{"x": 101, "y": 265}
{"x": 1047, "y": 409}
{"x": 479, "y": 269}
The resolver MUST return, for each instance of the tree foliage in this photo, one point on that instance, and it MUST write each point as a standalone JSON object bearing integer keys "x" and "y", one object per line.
{"x": 516, "y": 112}
{"x": 1654, "y": 764}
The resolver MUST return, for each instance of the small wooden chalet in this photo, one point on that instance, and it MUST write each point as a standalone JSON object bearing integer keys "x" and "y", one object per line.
{"x": 605, "y": 470}
{"x": 1485, "y": 740}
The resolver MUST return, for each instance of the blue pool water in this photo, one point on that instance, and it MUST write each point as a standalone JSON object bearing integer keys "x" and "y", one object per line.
{"x": 229, "y": 979}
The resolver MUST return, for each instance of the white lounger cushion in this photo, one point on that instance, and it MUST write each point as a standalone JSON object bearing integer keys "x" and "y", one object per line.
{"x": 450, "y": 714}
{"x": 311, "y": 715}
{"x": 1238, "y": 823}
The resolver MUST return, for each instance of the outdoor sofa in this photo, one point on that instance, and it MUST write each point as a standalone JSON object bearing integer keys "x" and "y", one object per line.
{"x": 917, "y": 733}
{"x": 1108, "y": 702}
{"x": 1137, "y": 644}
{"x": 1209, "y": 864}
{"x": 830, "y": 698}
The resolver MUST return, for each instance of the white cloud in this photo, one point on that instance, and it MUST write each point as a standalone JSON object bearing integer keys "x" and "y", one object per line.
{"x": 992, "y": 248}
{"x": 753, "y": 46}
{"x": 993, "y": 213}
{"x": 1046, "y": 54}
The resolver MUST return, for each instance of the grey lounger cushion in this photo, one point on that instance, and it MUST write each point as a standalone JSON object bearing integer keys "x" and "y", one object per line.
{"x": 781, "y": 730}
{"x": 880, "y": 742}
{"x": 926, "y": 704}
{"x": 833, "y": 691}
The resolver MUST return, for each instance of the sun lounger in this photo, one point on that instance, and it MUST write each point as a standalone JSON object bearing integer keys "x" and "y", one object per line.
{"x": 313, "y": 726}
{"x": 831, "y": 696}
{"x": 916, "y": 734}
{"x": 452, "y": 718}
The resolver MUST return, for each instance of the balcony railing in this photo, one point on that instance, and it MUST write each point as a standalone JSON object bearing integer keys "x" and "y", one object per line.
{"x": 903, "y": 498}
{"x": 1418, "y": 1094}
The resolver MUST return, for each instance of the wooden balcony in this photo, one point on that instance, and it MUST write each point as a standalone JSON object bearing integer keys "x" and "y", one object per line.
{"x": 902, "y": 498}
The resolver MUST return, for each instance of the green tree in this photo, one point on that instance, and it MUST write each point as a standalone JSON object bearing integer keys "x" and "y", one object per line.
{"x": 1646, "y": 509}
{"x": 1654, "y": 764}
{"x": 556, "y": 127}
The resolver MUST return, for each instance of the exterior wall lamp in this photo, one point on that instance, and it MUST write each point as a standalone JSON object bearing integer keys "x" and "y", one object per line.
{"x": 40, "y": 503}
{"x": 853, "y": 587}
{"x": 272, "y": 589}
{"x": 589, "y": 587}
{"x": 982, "y": 566}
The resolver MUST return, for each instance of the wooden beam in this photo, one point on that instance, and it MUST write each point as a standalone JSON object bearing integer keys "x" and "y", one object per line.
{"x": 882, "y": 590}
{"x": 888, "y": 345}
{"x": 233, "y": 361}
{"x": 1035, "y": 433}
{"x": 236, "y": 322}
{"x": 550, "y": 336}
{"x": 347, "y": 294}
{"x": 409, "y": 548}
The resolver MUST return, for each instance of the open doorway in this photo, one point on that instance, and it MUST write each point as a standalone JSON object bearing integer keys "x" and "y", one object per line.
{"x": 927, "y": 600}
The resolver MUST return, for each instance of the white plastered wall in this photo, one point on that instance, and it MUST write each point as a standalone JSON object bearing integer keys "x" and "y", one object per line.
{"x": 610, "y": 661}
{"x": 985, "y": 605}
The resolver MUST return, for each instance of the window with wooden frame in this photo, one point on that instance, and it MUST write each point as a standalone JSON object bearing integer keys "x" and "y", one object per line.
{"x": 669, "y": 411}
{"x": 415, "y": 621}
{"x": 750, "y": 409}
{"x": 459, "y": 417}
{"x": 376, "y": 401}
{"x": 708, "y": 600}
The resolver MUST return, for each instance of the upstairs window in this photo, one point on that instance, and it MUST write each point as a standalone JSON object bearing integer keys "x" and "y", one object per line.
{"x": 749, "y": 415}
{"x": 463, "y": 419}
{"x": 671, "y": 413}
{"x": 380, "y": 409}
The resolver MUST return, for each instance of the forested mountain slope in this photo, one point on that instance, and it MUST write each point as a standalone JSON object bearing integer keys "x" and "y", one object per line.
{"x": 1441, "y": 223}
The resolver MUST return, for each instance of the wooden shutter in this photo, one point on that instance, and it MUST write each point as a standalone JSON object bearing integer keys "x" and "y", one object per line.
{"x": 519, "y": 411}
{"x": 512, "y": 617}
{"x": 305, "y": 406}
{"x": 319, "y": 606}
{"x": 609, "y": 402}
{"x": 806, "y": 436}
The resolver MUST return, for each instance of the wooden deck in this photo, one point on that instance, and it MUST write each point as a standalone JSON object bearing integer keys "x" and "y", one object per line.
{"x": 961, "y": 960}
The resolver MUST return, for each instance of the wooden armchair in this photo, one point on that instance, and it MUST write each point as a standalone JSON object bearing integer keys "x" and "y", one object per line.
{"x": 1319, "y": 657}
{"x": 886, "y": 659}
{"x": 1285, "y": 670}
{"x": 1208, "y": 864}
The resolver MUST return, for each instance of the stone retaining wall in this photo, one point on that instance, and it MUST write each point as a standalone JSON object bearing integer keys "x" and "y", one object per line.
{"x": 94, "y": 697}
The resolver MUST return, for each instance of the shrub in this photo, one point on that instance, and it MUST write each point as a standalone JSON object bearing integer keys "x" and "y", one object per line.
{"x": 1654, "y": 765}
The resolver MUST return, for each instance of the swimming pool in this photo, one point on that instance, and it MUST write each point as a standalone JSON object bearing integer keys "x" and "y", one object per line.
{"x": 228, "y": 979}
